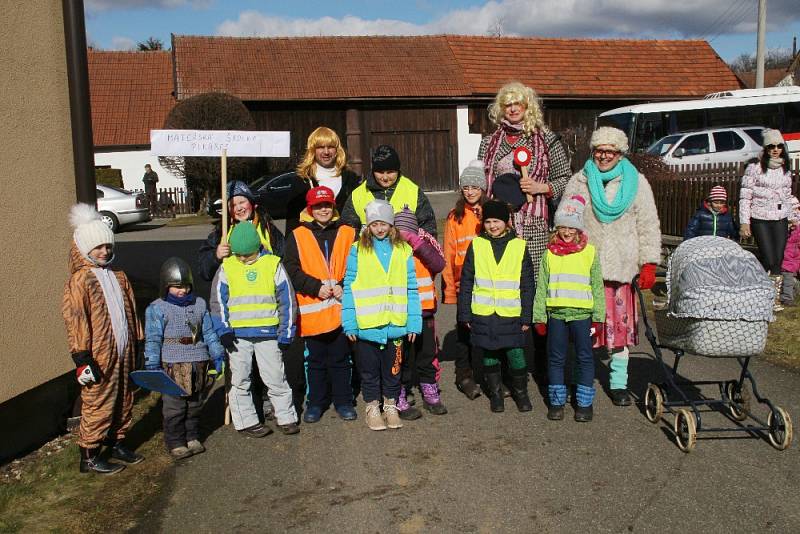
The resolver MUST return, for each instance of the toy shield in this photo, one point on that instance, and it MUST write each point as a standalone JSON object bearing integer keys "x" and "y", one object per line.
{"x": 157, "y": 380}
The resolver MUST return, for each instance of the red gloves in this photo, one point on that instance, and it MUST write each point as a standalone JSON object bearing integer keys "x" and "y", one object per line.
{"x": 541, "y": 329}
{"x": 85, "y": 375}
{"x": 597, "y": 327}
{"x": 647, "y": 276}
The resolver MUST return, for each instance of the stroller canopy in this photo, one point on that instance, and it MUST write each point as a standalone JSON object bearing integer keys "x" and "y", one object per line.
{"x": 714, "y": 278}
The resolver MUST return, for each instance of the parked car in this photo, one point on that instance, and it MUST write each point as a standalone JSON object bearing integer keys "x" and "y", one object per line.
{"x": 734, "y": 144}
{"x": 119, "y": 207}
{"x": 272, "y": 193}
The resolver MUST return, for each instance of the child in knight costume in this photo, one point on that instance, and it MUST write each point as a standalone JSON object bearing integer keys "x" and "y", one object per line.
{"x": 179, "y": 336}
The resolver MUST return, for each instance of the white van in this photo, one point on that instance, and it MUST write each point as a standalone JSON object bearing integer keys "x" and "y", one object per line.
{"x": 735, "y": 144}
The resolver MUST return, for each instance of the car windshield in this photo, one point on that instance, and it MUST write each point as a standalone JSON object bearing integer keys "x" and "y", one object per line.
{"x": 662, "y": 146}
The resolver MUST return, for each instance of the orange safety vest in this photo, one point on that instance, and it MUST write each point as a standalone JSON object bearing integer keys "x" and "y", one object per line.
{"x": 427, "y": 293}
{"x": 457, "y": 238}
{"x": 319, "y": 316}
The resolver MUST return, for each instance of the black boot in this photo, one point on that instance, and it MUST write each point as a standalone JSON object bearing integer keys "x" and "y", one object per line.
{"x": 493, "y": 382}
{"x": 519, "y": 392}
{"x": 123, "y": 453}
{"x": 466, "y": 384}
{"x": 92, "y": 463}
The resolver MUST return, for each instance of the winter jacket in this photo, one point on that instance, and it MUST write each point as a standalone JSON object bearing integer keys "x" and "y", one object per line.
{"x": 156, "y": 317}
{"x": 424, "y": 213}
{"x": 301, "y": 281}
{"x": 791, "y": 254}
{"x": 287, "y": 309}
{"x": 207, "y": 262}
{"x": 707, "y": 222}
{"x": 457, "y": 238}
{"x": 493, "y": 332}
{"x": 541, "y": 312}
{"x": 297, "y": 196}
{"x": 765, "y": 195}
{"x": 627, "y": 243}
{"x": 382, "y": 335}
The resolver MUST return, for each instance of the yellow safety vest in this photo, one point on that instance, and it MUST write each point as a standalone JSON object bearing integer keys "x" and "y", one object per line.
{"x": 262, "y": 236}
{"x": 381, "y": 297}
{"x": 496, "y": 288}
{"x": 570, "y": 282}
{"x": 251, "y": 292}
{"x": 405, "y": 194}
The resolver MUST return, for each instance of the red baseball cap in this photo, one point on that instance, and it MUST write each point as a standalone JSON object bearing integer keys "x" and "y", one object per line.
{"x": 320, "y": 195}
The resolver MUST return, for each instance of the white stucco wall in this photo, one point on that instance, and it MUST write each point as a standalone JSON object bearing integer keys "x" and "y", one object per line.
{"x": 468, "y": 143}
{"x": 131, "y": 163}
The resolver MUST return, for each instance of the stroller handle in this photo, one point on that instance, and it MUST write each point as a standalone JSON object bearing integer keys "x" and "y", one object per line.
{"x": 648, "y": 329}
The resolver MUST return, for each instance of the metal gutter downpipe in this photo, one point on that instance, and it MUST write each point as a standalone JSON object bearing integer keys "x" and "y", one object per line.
{"x": 79, "y": 104}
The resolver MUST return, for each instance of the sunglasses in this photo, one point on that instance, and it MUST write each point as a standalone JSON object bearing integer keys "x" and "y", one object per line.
{"x": 772, "y": 147}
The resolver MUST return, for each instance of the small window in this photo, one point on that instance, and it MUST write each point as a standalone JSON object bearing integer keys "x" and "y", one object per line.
{"x": 727, "y": 140}
{"x": 100, "y": 194}
{"x": 756, "y": 134}
{"x": 695, "y": 144}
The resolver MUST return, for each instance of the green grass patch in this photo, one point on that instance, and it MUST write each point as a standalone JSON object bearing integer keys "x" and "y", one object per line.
{"x": 783, "y": 341}
{"x": 191, "y": 220}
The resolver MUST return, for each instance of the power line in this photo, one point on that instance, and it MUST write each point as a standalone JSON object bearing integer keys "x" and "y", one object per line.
{"x": 740, "y": 15}
{"x": 719, "y": 20}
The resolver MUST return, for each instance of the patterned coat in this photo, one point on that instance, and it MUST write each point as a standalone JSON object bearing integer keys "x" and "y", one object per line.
{"x": 107, "y": 405}
{"x": 765, "y": 195}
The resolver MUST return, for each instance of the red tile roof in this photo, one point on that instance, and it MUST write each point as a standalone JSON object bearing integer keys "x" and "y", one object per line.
{"x": 131, "y": 93}
{"x": 314, "y": 68}
{"x": 771, "y": 77}
{"x": 593, "y": 68}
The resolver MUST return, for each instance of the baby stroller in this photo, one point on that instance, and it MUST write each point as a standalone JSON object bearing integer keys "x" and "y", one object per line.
{"x": 719, "y": 304}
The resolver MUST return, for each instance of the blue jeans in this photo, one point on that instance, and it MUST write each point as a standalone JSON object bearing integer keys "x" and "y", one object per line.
{"x": 558, "y": 334}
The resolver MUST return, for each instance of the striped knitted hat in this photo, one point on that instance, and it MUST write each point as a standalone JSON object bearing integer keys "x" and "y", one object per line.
{"x": 718, "y": 193}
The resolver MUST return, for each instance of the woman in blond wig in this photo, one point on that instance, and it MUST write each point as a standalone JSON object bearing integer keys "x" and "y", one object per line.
{"x": 324, "y": 163}
{"x": 517, "y": 113}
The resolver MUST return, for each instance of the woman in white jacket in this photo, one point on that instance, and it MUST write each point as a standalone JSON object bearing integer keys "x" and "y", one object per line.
{"x": 765, "y": 204}
{"x": 622, "y": 223}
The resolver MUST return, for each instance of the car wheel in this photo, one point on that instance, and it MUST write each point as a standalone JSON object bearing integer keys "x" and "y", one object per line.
{"x": 111, "y": 220}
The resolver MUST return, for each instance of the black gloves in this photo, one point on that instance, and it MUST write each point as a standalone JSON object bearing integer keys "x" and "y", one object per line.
{"x": 228, "y": 341}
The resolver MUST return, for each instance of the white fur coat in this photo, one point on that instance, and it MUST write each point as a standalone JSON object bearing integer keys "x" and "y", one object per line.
{"x": 627, "y": 243}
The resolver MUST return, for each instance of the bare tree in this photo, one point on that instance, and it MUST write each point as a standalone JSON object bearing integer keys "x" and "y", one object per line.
{"x": 207, "y": 111}
{"x": 495, "y": 29}
{"x": 152, "y": 43}
{"x": 775, "y": 58}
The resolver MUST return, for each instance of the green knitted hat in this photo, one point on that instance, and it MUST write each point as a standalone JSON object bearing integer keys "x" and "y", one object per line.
{"x": 244, "y": 239}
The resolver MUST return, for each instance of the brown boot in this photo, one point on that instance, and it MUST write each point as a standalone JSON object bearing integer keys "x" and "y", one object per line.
{"x": 465, "y": 382}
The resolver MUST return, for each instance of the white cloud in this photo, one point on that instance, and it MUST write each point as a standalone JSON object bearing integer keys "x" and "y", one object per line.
{"x": 122, "y": 43}
{"x": 556, "y": 18}
{"x": 105, "y": 5}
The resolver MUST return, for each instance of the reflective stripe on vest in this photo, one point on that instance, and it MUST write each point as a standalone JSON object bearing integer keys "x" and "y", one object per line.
{"x": 570, "y": 283}
{"x": 425, "y": 287}
{"x": 262, "y": 236}
{"x": 496, "y": 288}
{"x": 405, "y": 194}
{"x": 380, "y": 297}
{"x": 251, "y": 292}
{"x": 318, "y": 316}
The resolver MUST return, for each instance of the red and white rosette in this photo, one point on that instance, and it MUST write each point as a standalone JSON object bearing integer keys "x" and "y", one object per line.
{"x": 522, "y": 157}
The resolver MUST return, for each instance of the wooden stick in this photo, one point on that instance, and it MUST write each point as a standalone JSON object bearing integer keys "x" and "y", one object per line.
{"x": 524, "y": 170}
{"x": 224, "y": 163}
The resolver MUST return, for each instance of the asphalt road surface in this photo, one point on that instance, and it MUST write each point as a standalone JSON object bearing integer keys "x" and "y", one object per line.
{"x": 475, "y": 471}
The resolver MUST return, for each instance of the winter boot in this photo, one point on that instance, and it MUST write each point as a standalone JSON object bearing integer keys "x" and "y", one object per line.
{"x": 407, "y": 412}
{"x": 777, "y": 282}
{"x": 584, "y": 397}
{"x": 557, "y": 394}
{"x": 618, "y": 378}
{"x": 493, "y": 383}
{"x": 374, "y": 417}
{"x": 122, "y": 453}
{"x": 92, "y": 463}
{"x": 431, "y": 400}
{"x": 583, "y": 414}
{"x": 391, "y": 414}
{"x": 519, "y": 392}
{"x": 466, "y": 384}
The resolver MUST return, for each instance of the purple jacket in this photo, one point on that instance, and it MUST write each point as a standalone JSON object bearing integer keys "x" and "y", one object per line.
{"x": 791, "y": 254}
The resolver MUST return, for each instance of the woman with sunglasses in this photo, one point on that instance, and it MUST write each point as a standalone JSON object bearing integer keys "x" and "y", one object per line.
{"x": 765, "y": 205}
{"x": 621, "y": 221}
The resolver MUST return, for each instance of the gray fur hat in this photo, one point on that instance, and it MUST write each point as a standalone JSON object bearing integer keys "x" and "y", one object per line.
{"x": 473, "y": 174}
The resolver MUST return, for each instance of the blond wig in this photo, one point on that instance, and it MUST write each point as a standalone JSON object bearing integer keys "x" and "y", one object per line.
{"x": 517, "y": 92}
{"x": 322, "y": 136}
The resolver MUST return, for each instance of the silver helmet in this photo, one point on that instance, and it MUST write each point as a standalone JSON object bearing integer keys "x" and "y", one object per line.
{"x": 174, "y": 272}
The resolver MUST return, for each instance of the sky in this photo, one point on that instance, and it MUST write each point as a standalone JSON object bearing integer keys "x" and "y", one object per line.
{"x": 729, "y": 25}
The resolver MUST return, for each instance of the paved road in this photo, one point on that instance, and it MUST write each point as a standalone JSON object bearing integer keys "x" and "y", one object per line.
{"x": 475, "y": 471}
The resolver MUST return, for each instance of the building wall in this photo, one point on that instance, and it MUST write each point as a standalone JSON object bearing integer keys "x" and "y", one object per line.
{"x": 131, "y": 163}
{"x": 38, "y": 187}
{"x": 468, "y": 143}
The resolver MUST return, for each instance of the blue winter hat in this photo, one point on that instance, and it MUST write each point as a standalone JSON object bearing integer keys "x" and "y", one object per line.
{"x": 237, "y": 188}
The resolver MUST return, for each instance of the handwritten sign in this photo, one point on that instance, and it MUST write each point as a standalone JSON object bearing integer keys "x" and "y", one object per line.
{"x": 213, "y": 142}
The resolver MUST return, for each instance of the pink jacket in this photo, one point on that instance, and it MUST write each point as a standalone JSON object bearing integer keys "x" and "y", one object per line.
{"x": 765, "y": 196}
{"x": 791, "y": 254}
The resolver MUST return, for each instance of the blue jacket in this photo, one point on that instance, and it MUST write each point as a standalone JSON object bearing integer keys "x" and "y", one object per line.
{"x": 284, "y": 332}
{"x": 383, "y": 248}
{"x": 706, "y": 222}
{"x": 155, "y": 323}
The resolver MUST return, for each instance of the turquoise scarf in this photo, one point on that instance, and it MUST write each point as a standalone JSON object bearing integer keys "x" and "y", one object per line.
{"x": 626, "y": 193}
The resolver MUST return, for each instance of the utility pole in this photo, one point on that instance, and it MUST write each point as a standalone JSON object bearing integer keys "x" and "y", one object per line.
{"x": 762, "y": 30}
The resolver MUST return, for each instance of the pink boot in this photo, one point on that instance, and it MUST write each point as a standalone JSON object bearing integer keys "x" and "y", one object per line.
{"x": 431, "y": 400}
{"x": 407, "y": 412}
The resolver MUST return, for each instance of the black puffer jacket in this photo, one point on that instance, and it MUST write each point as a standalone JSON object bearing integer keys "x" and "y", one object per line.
{"x": 706, "y": 222}
{"x": 297, "y": 196}
{"x": 494, "y": 332}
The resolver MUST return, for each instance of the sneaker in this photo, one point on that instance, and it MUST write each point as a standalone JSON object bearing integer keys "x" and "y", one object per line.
{"x": 347, "y": 412}
{"x": 195, "y": 446}
{"x": 256, "y": 431}
{"x": 124, "y": 454}
{"x": 391, "y": 414}
{"x": 374, "y": 418}
{"x": 313, "y": 414}
{"x": 180, "y": 453}
{"x": 555, "y": 413}
{"x": 583, "y": 414}
{"x": 620, "y": 397}
{"x": 289, "y": 428}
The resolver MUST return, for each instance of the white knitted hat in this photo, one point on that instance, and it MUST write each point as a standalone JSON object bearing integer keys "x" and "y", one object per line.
{"x": 772, "y": 137}
{"x": 90, "y": 230}
{"x": 380, "y": 210}
{"x": 607, "y": 135}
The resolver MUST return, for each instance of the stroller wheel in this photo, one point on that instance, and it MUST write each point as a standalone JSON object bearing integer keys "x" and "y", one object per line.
{"x": 653, "y": 403}
{"x": 685, "y": 430}
{"x": 739, "y": 399}
{"x": 780, "y": 428}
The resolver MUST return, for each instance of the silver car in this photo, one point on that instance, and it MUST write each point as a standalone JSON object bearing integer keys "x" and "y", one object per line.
{"x": 119, "y": 207}
{"x": 732, "y": 144}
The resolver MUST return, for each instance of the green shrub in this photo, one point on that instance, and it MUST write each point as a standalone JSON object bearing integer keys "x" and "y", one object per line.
{"x": 106, "y": 176}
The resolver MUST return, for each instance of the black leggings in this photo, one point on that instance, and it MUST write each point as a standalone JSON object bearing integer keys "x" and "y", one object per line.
{"x": 770, "y": 237}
